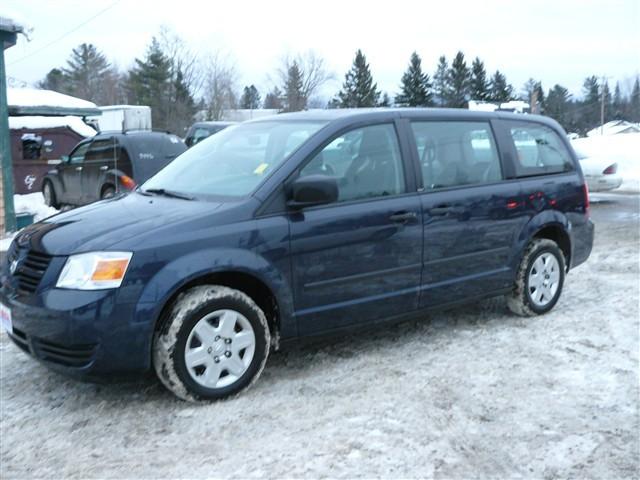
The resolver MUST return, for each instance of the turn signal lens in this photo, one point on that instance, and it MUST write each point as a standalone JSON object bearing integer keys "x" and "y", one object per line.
{"x": 110, "y": 270}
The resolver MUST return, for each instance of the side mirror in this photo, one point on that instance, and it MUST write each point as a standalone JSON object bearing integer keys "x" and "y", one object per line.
{"x": 65, "y": 158}
{"x": 312, "y": 190}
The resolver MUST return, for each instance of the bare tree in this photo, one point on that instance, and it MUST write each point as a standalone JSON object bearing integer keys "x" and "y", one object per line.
{"x": 313, "y": 73}
{"x": 220, "y": 80}
{"x": 182, "y": 59}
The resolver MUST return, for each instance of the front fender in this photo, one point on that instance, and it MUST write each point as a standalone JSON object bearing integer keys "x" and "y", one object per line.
{"x": 181, "y": 271}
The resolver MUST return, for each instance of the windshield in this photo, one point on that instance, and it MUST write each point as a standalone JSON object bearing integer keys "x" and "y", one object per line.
{"x": 234, "y": 161}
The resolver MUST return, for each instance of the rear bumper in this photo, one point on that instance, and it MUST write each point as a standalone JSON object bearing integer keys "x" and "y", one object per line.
{"x": 603, "y": 183}
{"x": 79, "y": 333}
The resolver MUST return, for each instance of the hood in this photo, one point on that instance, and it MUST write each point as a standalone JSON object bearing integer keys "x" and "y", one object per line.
{"x": 100, "y": 225}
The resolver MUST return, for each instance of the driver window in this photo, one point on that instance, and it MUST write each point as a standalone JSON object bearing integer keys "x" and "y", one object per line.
{"x": 365, "y": 161}
{"x": 77, "y": 156}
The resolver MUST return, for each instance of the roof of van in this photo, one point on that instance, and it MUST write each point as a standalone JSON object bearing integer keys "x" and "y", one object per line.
{"x": 385, "y": 113}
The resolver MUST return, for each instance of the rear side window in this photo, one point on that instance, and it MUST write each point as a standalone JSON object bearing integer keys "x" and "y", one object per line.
{"x": 456, "y": 153}
{"x": 539, "y": 150}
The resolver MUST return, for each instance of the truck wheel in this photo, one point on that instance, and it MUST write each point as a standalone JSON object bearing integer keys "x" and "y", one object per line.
{"x": 539, "y": 279}
{"x": 107, "y": 192}
{"x": 49, "y": 195}
{"x": 214, "y": 344}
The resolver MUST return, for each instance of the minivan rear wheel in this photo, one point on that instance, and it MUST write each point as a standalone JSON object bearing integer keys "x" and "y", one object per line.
{"x": 539, "y": 279}
{"x": 213, "y": 344}
{"x": 107, "y": 192}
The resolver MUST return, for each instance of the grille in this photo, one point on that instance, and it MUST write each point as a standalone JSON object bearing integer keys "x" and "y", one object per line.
{"x": 70, "y": 356}
{"x": 76, "y": 356}
{"x": 30, "y": 269}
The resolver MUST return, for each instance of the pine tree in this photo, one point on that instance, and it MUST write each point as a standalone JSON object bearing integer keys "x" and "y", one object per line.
{"x": 273, "y": 99}
{"x": 591, "y": 104}
{"x": 441, "y": 83}
{"x": 500, "y": 91}
{"x": 150, "y": 84}
{"x": 294, "y": 99}
{"x": 608, "y": 102}
{"x": 358, "y": 89}
{"x": 250, "y": 98}
{"x": 385, "y": 101}
{"x": 618, "y": 104}
{"x": 86, "y": 71}
{"x": 634, "y": 102}
{"x": 478, "y": 85}
{"x": 415, "y": 87}
{"x": 55, "y": 80}
{"x": 557, "y": 105}
{"x": 459, "y": 77}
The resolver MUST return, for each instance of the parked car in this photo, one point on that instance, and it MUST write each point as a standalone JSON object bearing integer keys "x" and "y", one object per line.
{"x": 296, "y": 226}
{"x": 107, "y": 164}
{"x": 201, "y": 130}
{"x": 600, "y": 173}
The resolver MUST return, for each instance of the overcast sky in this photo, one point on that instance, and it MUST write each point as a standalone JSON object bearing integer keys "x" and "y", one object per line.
{"x": 558, "y": 41}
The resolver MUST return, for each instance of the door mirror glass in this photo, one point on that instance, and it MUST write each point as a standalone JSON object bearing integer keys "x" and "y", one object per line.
{"x": 313, "y": 190}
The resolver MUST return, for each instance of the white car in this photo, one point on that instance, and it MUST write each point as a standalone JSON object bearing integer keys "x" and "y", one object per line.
{"x": 600, "y": 173}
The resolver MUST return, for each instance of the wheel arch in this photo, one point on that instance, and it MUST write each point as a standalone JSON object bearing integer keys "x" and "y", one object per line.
{"x": 558, "y": 234}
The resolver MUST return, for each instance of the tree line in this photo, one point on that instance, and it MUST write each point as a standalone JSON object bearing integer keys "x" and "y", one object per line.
{"x": 178, "y": 83}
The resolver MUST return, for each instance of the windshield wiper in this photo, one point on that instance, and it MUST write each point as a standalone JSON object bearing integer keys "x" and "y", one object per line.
{"x": 167, "y": 193}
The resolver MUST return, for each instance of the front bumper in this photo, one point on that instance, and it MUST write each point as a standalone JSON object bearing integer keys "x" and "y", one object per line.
{"x": 79, "y": 333}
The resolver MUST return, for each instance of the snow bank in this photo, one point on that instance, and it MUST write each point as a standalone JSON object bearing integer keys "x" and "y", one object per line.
{"x": 37, "y": 122}
{"x": 32, "y": 203}
{"x": 623, "y": 148}
{"x": 34, "y": 97}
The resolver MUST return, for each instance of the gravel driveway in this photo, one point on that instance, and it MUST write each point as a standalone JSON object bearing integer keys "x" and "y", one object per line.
{"x": 470, "y": 392}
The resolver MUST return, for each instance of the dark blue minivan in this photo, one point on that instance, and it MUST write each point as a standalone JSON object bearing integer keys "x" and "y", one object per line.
{"x": 293, "y": 226}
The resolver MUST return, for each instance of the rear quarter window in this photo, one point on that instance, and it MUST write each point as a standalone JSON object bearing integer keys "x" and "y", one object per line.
{"x": 539, "y": 150}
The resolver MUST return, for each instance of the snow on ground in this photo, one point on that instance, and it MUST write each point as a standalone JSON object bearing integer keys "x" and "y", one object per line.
{"x": 32, "y": 203}
{"x": 472, "y": 392}
{"x": 35, "y": 97}
{"x": 38, "y": 122}
{"x": 623, "y": 148}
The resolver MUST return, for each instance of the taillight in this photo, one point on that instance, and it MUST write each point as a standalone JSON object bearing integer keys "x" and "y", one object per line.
{"x": 585, "y": 190}
{"x": 127, "y": 182}
{"x": 611, "y": 169}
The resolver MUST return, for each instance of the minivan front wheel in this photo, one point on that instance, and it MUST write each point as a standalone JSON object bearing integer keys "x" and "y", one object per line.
{"x": 49, "y": 195}
{"x": 539, "y": 279}
{"x": 214, "y": 344}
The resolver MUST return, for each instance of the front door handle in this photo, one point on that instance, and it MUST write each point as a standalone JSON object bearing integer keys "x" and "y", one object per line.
{"x": 104, "y": 167}
{"x": 403, "y": 217}
{"x": 78, "y": 169}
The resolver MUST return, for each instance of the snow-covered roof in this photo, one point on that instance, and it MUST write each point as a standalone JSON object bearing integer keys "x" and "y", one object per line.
{"x": 10, "y": 25}
{"x": 614, "y": 127}
{"x": 38, "y": 122}
{"x": 25, "y": 101}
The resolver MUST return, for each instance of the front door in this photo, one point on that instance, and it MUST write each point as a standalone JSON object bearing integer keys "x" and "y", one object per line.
{"x": 359, "y": 259}
{"x": 70, "y": 173}
{"x": 101, "y": 158}
{"x": 470, "y": 214}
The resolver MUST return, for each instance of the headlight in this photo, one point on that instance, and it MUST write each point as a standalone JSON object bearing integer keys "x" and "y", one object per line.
{"x": 94, "y": 271}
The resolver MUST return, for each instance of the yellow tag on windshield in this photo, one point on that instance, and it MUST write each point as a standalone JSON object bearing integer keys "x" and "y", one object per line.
{"x": 261, "y": 168}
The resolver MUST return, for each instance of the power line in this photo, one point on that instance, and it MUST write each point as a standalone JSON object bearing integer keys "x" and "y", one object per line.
{"x": 64, "y": 35}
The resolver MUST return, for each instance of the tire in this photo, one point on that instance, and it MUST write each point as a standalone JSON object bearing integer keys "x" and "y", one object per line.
{"x": 49, "y": 194}
{"x": 539, "y": 279}
{"x": 107, "y": 192}
{"x": 205, "y": 350}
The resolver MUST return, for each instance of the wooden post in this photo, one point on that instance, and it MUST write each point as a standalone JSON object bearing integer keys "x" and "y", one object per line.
{"x": 6, "y": 39}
